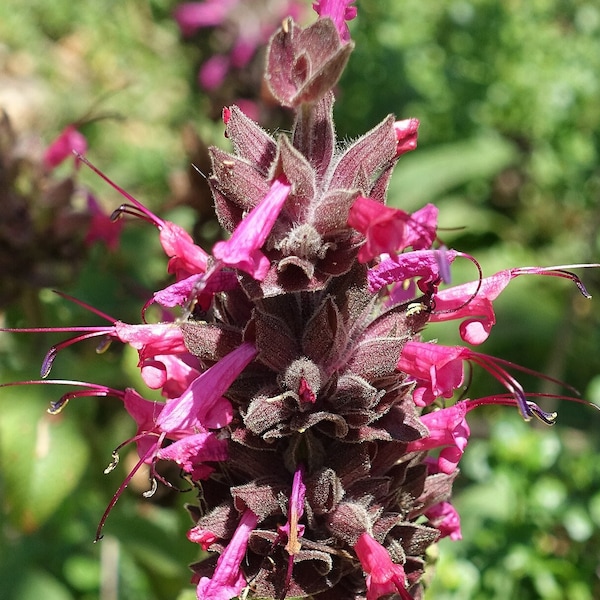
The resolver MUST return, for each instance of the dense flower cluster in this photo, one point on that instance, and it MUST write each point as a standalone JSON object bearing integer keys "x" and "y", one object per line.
{"x": 298, "y": 392}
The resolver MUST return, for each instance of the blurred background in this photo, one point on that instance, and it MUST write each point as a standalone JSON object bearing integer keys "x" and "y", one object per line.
{"x": 508, "y": 96}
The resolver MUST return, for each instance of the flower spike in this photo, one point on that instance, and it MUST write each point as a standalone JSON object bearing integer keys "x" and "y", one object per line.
{"x": 297, "y": 394}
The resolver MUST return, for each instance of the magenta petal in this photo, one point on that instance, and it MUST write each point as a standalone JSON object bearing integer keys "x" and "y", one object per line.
{"x": 445, "y": 518}
{"x": 241, "y": 250}
{"x": 424, "y": 264}
{"x": 406, "y": 134}
{"x": 189, "y": 412}
{"x": 152, "y": 339}
{"x": 63, "y": 146}
{"x": 438, "y": 369}
{"x": 339, "y": 12}
{"x": 474, "y": 301}
{"x": 228, "y": 580}
{"x": 384, "y": 577}
{"x": 448, "y": 429}
{"x": 179, "y": 294}
{"x": 186, "y": 258}
{"x": 201, "y": 536}
{"x": 195, "y": 449}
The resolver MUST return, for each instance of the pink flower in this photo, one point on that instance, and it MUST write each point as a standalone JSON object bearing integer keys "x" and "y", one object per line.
{"x": 178, "y": 294}
{"x": 473, "y": 300}
{"x": 445, "y": 519}
{"x": 63, "y": 146}
{"x": 339, "y": 11}
{"x": 202, "y": 405}
{"x": 144, "y": 413}
{"x": 428, "y": 265}
{"x": 293, "y": 530}
{"x": 438, "y": 370}
{"x": 192, "y": 451}
{"x": 383, "y": 576}
{"x": 448, "y": 429}
{"x": 186, "y": 258}
{"x": 242, "y": 249}
{"x": 228, "y": 580}
{"x": 390, "y": 230}
{"x": 406, "y": 134}
{"x": 204, "y": 537}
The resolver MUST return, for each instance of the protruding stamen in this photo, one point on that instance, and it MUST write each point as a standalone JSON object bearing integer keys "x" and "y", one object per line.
{"x": 134, "y": 211}
{"x": 138, "y": 205}
{"x": 57, "y": 405}
{"x": 85, "y": 305}
{"x": 119, "y": 491}
{"x": 104, "y": 345}
{"x": 560, "y": 271}
{"x": 48, "y": 362}
{"x": 154, "y": 486}
{"x": 545, "y": 417}
{"x": 113, "y": 464}
{"x": 53, "y": 351}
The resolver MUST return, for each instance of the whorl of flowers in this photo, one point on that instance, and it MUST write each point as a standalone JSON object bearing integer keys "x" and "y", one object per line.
{"x": 298, "y": 393}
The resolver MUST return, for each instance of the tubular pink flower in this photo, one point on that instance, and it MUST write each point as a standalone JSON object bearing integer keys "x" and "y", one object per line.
{"x": 242, "y": 249}
{"x": 202, "y": 405}
{"x": 438, "y": 370}
{"x": 152, "y": 339}
{"x": 228, "y": 580}
{"x": 383, "y": 576}
{"x": 192, "y": 451}
{"x": 204, "y": 537}
{"x": 185, "y": 257}
{"x": 145, "y": 414}
{"x": 445, "y": 519}
{"x": 339, "y": 11}
{"x": 448, "y": 429}
{"x": 170, "y": 372}
{"x": 178, "y": 294}
{"x": 406, "y": 134}
{"x": 63, "y": 146}
{"x": 391, "y": 230}
{"x": 425, "y": 264}
{"x": 473, "y": 300}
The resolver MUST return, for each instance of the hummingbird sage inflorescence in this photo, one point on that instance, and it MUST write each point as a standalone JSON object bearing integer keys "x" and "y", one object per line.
{"x": 299, "y": 395}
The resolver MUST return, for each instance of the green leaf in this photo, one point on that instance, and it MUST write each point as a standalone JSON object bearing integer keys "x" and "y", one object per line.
{"x": 40, "y": 584}
{"x": 42, "y": 458}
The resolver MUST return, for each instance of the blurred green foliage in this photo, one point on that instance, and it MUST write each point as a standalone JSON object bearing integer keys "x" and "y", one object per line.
{"x": 507, "y": 94}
